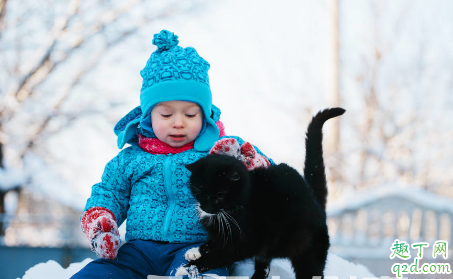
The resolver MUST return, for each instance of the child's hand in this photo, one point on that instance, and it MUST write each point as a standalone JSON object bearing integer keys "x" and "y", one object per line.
{"x": 99, "y": 225}
{"x": 253, "y": 159}
{"x": 245, "y": 153}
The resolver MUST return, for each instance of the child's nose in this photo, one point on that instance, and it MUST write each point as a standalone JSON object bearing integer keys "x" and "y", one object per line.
{"x": 179, "y": 121}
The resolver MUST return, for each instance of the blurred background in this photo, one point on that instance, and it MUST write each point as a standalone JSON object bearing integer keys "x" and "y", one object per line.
{"x": 69, "y": 70}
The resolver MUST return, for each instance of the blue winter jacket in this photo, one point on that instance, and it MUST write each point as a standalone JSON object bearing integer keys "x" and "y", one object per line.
{"x": 152, "y": 192}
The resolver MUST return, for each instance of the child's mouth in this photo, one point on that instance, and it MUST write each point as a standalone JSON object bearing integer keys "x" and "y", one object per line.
{"x": 177, "y": 137}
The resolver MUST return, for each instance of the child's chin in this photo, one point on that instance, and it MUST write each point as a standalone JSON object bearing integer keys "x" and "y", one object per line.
{"x": 176, "y": 144}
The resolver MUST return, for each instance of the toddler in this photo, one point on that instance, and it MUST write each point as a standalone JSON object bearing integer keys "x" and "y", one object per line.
{"x": 147, "y": 183}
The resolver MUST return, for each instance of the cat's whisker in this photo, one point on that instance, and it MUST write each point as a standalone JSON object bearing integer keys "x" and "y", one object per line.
{"x": 233, "y": 220}
{"x": 225, "y": 235}
{"x": 198, "y": 212}
{"x": 227, "y": 225}
{"x": 211, "y": 220}
{"x": 217, "y": 217}
{"x": 220, "y": 226}
{"x": 225, "y": 232}
{"x": 224, "y": 215}
{"x": 228, "y": 229}
{"x": 202, "y": 215}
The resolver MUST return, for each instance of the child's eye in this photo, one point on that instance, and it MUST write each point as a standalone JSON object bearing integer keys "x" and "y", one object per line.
{"x": 165, "y": 115}
{"x": 191, "y": 115}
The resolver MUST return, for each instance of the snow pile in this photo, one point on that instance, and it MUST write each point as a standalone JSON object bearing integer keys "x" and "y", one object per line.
{"x": 336, "y": 266}
{"x": 52, "y": 270}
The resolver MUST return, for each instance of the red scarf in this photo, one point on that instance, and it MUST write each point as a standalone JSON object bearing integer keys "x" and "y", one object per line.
{"x": 155, "y": 146}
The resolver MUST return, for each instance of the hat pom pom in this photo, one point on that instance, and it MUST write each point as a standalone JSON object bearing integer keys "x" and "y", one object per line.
{"x": 165, "y": 40}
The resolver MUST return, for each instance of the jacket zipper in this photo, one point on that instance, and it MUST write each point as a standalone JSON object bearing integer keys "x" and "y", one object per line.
{"x": 171, "y": 197}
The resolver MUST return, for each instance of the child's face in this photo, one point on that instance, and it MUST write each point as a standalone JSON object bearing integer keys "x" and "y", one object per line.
{"x": 177, "y": 122}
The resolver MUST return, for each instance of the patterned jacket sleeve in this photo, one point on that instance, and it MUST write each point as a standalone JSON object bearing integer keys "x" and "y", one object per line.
{"x": 241, "y": 141}
{"x": 113, "y": 192}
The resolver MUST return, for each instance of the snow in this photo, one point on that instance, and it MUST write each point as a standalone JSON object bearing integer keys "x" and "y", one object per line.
{"x": 336, "y": 266}
{"x": 53, "y": 270}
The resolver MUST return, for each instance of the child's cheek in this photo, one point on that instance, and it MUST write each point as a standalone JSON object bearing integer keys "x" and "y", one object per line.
{"x": 198, "y": 127}
{"x": 159, "y": 131}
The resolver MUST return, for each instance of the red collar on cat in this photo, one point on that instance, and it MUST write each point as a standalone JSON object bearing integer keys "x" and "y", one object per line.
{"x": 156, "y": 146}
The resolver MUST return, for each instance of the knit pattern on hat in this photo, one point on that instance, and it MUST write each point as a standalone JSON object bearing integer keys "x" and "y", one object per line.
{"x": 173, "y": 63}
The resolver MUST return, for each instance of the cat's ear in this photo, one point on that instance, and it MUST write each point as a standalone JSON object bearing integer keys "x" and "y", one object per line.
{"x": 234, "y": 176}
{"x": 194, "y": 167}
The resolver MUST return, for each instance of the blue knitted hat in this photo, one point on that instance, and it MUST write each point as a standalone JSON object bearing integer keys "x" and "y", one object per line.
{"x": 173, "y": 73}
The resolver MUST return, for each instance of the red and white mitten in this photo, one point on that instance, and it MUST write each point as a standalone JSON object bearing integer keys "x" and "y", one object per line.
{"x": 99, "y": 225}
{"x": 228, "y": 147}
{"x": 245, "y": 153}
{"x": 251, "y": 158}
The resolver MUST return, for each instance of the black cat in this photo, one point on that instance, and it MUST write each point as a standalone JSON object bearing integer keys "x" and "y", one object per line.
{"x": 265, "y": 213}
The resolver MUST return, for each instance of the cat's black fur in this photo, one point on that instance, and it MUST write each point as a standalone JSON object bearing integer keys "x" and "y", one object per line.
{"x": 265, "y": 213}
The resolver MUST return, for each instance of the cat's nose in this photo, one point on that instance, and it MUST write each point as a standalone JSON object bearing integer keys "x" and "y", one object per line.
{"x": 209, "y": 209}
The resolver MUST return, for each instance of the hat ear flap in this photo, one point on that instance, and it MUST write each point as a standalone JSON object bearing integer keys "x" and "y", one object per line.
{"x": 208, "y": 137}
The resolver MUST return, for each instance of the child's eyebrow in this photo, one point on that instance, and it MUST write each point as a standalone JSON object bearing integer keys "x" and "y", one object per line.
{"x": 194, "y": 106}
{"x": 185, "y": 108}
{"x": 163, "y": 106}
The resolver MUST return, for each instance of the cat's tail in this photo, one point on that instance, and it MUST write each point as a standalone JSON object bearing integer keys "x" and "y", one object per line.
{"x": 314, "y": 170}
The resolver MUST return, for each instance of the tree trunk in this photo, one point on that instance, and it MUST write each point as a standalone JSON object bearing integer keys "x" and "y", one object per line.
{"x": 334, "y": 98}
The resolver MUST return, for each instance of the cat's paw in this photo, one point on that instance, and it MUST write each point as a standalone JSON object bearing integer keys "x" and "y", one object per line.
{"x": 193, "y": 254}
{"x": 181, "y": 271}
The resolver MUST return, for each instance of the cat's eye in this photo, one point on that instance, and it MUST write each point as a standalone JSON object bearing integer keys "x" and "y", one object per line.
{"x": 235, "y": 176}
{"x": 220, "y": 196}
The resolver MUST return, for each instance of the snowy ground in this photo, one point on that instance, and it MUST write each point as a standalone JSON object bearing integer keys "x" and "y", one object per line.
{"x": 336, "y": 266}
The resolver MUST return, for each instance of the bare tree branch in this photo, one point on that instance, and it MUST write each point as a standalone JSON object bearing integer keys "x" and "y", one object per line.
{"x": 38, "y": 73}
{"x": 56, "y": 31}
{"x": 94, "y": 61}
